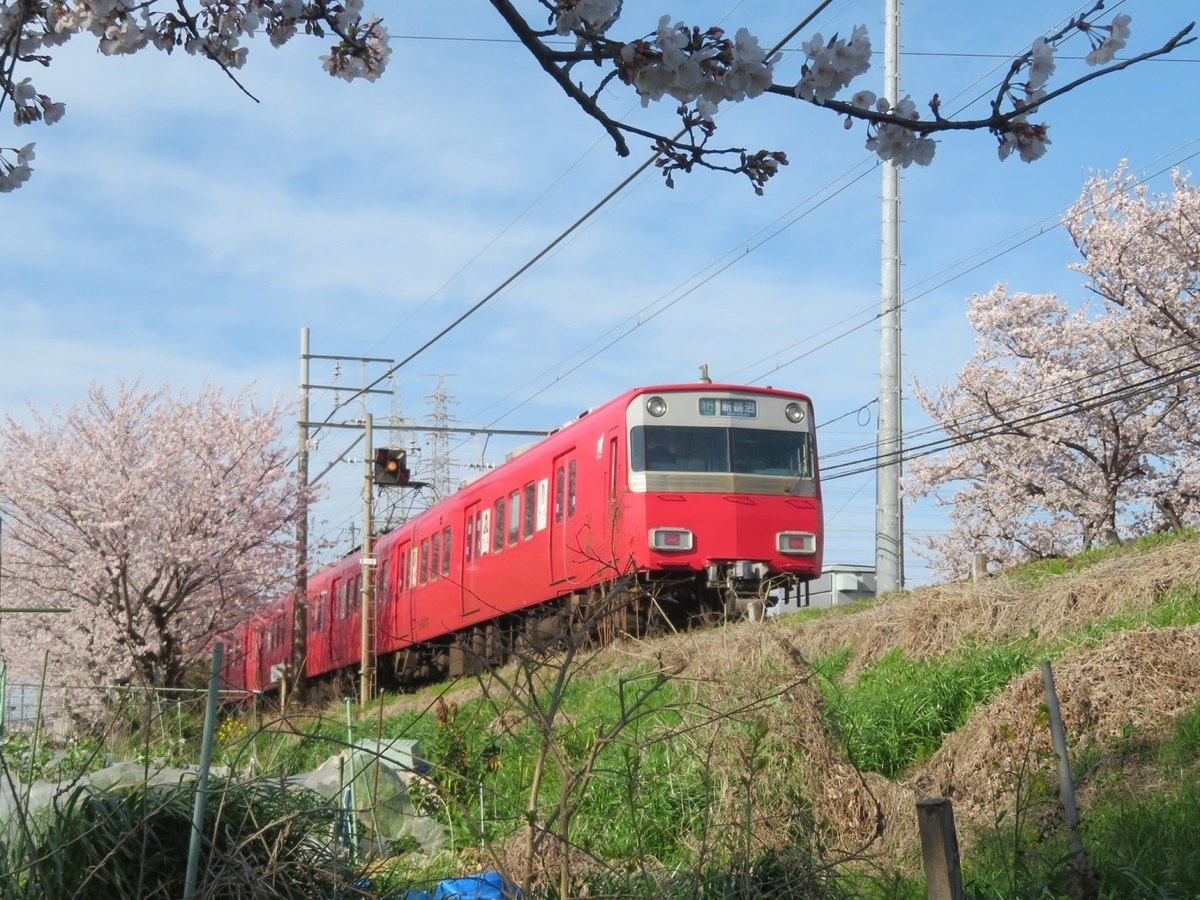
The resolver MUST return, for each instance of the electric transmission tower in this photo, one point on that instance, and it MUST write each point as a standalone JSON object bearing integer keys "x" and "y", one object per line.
{"x": 441, "y": 477}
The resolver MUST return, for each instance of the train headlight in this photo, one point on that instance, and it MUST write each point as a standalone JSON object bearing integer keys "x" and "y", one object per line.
{"x": 679, "y": 539}
{"x": 656, "y": 406}
{"x": 795, "y": 413}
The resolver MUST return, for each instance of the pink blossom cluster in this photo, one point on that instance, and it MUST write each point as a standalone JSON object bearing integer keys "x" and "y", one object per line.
{"x": 1019, "y": 135}
{"x": 896, "y": 141}
{"x": 693, "y": 65}
{"x": 15, "y": 174}
{"x": 832, "y": 66}
{"x": 215, "y": 28}
{"x": 588, "y": 16}
{"x": 1104, "y": 49}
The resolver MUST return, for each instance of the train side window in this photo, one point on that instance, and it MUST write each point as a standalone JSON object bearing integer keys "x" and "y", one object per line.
{"x": 381, "y": 583}
{"x": 530, "y": 509}
{"x": 514, "y": 517}
{"x": 559, "y": 484}
{"x": 469, "y": 543}
{"x": 498, "y": 535}
{"x": 412, "y": 566}
{"x": 433, "y": 560}
{"x": 571, "y": 491}
{"x": 424, "y": 560}
{"x": 485, "y": 530}
{"x": 446, "y": 551}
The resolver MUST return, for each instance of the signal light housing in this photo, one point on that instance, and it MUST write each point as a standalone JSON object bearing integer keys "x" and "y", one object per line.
{"x": 391, "y": 467}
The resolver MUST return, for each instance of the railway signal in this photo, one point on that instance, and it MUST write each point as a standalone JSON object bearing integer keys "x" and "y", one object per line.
{"x": 391, "y": 467}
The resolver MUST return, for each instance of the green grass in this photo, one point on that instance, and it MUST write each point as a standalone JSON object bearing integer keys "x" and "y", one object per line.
{"x": 898, "y": 710}
{"x": 134, "y": 843}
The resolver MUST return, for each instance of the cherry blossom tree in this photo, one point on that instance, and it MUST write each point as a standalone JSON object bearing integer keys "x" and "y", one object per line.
{"x": 1074, "y": 428}
{"x": 157, "y": 520}
{"x": 1062, "y": 439}
{"x": 697, "y": 67}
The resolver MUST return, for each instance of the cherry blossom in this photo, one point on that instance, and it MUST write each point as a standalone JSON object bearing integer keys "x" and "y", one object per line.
{"x": 158, "y": 520}
{"x": 1041, "y": 63}
{"x": 592, "y": 16}
{"x": 896, "y": 141}
{"x": 1028, "y": 140}
{"x": 1106, "y": 49}
{"x": 1076, "y": 426}
{"x": 833, "y": 65}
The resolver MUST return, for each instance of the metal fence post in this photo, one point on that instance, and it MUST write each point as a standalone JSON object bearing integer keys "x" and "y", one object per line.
{"x": 210, "y": 721}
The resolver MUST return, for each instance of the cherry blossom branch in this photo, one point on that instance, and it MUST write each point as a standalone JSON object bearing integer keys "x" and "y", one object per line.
{"x": 193, "y": 29}
{"x": 698, "y": 68}
{"x": 546, "y": 59}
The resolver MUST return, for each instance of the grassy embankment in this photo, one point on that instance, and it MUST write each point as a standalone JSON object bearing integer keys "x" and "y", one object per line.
{"x": 785, "y": 758}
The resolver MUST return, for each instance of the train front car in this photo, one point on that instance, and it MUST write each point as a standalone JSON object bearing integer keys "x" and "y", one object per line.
{"x": 723, "y": 503}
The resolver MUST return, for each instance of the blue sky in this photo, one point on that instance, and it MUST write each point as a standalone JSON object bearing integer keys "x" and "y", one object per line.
{"x": 175, "y": 230}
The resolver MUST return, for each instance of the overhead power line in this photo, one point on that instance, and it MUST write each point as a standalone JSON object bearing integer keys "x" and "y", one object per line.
{"x": 1075, "y": 407}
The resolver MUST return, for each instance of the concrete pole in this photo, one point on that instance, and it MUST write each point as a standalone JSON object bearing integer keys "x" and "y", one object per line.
{"x": 300, "y": 589}
{"x": 889, "y": 522}
{"x": 367, "y": 669}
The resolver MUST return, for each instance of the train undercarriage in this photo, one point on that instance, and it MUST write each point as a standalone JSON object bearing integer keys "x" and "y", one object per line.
{"x": 642, "y": 606}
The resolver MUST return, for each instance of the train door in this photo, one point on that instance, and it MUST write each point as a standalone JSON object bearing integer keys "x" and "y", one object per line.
{"x": 337, "y": 607}
{"x": 472, "y": 523}
{"x": 563, "y": 527}
{"x": 399, "y": 614}
{"x": 253, "y": 655}
{"x": 614, "y": 489}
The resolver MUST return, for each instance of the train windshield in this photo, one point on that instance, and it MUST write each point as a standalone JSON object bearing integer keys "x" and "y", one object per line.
{"x": 750, "y": 451}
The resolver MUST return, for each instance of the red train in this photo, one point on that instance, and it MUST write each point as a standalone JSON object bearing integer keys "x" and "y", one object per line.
{"x": 708, "y": 494}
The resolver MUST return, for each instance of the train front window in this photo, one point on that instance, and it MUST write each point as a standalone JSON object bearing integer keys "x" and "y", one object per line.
{"x": 750, "y": 451}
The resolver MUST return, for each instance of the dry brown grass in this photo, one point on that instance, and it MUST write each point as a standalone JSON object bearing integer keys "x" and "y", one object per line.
{"x": 1138, "y": 680}
{"x": 932, "y": 621}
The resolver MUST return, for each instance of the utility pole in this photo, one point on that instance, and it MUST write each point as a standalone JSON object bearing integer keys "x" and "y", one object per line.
{"x": 307, "y": 443}
{"x": 889, "y": 521}
{"x": 367, "y": 670}
{"x": 300, "y": 613}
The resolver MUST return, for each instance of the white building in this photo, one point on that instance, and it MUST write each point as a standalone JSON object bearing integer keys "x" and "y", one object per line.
{"x": 837, "y": 586}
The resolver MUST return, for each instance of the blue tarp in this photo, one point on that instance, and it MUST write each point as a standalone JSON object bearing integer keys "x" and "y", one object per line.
{"x": 484, "y": 886}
